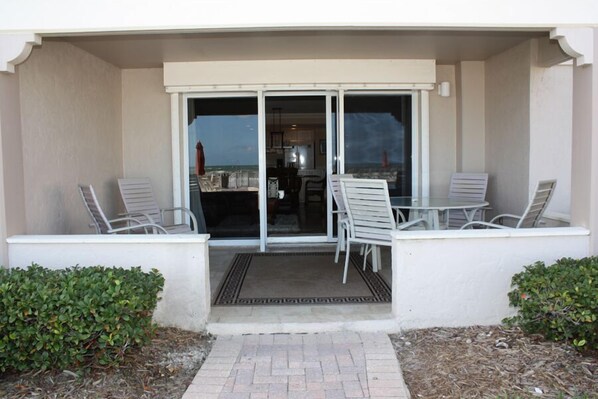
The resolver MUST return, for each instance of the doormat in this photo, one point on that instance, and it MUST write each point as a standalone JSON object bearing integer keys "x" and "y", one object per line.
{"x": 299, "y": 278}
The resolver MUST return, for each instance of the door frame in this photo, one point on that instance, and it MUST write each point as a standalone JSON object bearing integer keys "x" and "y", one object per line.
{"x": 180, "y": 145}
{"x": 327, "y": 237}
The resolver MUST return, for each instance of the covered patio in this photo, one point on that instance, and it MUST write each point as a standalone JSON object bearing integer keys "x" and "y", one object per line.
{"x": 91, "y": 104}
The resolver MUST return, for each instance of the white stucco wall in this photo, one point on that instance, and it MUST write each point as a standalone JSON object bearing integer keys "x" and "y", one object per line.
{"x": 443, "y": 133}
{"x": 71, "y": 133}
{"x": 183, "y": 260}
{"x": 507, "y": 129}
{"x": 146, "y": 130}
{"x": 470, "y": 89}
{"x": 551, "y": 125}
{"x": 462, "y": 278}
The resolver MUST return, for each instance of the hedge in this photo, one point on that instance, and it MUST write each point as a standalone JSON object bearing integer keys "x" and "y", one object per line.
{"x": 559, "y": 301}
{"x": 74, "y": 317}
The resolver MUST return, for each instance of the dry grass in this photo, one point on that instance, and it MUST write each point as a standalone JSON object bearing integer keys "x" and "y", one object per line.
{"x": 492, "y": 362}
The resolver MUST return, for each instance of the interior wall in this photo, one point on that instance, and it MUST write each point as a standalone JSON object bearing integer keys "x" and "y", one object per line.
{"x": 71, "y": 132}
{"x": 12, "y": 194}
{"x": 507, "y": 148}
{"x": 443, "y": 133}
{"x": 146, "y": 130}
{"x": 551, "y": 116}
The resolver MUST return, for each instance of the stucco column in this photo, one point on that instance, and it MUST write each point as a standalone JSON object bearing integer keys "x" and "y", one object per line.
{"x": 12, "y": 193}
{"x": 584, "y": 167}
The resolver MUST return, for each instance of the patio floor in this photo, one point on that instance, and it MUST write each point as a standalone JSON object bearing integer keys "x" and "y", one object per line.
{"x": 294, "y": 318}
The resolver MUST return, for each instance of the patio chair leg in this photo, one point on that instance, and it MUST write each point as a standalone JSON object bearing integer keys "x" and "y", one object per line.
{"x": 367, "y": 249}
{"x": 340, "y": 242}
{"x": 375, "y": 258}
{"x": 348, "y": 248}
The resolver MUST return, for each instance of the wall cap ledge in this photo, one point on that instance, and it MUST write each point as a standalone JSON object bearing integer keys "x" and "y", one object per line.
{"x": 109, "y": 239}
{"x": 490, "y": 233}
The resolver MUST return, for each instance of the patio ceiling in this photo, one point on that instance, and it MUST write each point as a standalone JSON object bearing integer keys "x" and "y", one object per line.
{"x": 151, "y": 50}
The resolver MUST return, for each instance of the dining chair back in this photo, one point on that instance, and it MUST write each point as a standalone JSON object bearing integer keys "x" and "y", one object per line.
{"x": 471, "y": 186}
{"x": 371, "y": 218}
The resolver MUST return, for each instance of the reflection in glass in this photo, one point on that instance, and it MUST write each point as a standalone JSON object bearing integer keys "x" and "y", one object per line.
{"x": 224, "y": 173}
{"x": 378, "y": 139}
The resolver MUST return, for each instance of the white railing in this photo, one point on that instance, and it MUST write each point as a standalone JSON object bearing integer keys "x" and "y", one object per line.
{"x": 183, "y": 260}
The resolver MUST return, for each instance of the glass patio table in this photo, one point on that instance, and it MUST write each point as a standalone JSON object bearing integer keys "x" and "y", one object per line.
{"x": 432, "y": 206}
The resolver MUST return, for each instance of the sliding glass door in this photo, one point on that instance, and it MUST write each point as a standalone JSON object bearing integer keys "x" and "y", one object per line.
{"x": 378, "y": 139}
{"x": 223, "y": 165}
{"x": 258, "y": 163}
{"x": 296, "y": 164}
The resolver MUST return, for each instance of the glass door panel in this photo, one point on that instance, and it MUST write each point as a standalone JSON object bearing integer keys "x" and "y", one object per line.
{"x": 378, "y": 139}
{"x": 296, "y": 165}
{"x": 223, "y": 165}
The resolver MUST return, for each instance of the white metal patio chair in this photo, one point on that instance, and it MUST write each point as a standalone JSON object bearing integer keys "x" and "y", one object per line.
{"x": 104, "y": 226}
{"x": 471, "y": 186}
{"x": 533, "y": 212}
{"x": 334, "y": 182}
{"x": 371, "y": 218}
{"x": 139, "y": 200}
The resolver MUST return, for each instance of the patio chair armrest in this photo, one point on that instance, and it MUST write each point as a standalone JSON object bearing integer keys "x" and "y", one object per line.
{"x": 184, "y": 210}
{"x": 139, "y": 214}
{"x": 412, "y": 223}
{"x": 505, "y": 215}
{"x": 159, "y": 229}
{"x": 485, "y": 224}
{"x": 127, "y": 219}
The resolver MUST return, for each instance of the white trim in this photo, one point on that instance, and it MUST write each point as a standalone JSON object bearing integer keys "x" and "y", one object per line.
{"x": 298, "y": 239}
{"x": 15, "y": 48}
{"x": 175, "y": 138}
{"x": 329, "y": 160}
{"x": 270, "y": 88}
{"x": 340, "y": 162}
{"x": 425, "y": 143}
{"x": 184, "y": 126}
{"x": 263, "y": 188}
{"x": 577, "y": 43}
{"x": 415, "y": 145}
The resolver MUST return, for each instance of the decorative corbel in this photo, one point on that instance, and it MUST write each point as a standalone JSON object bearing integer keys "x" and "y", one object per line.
{"x": 576, "y": 42}
{"x": 15, "y": 48}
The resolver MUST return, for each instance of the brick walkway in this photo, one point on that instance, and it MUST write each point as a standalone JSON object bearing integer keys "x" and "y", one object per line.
{"x": 324, "y": 365}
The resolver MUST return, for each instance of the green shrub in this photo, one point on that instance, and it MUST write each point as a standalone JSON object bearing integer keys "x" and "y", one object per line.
{"x": 76, "y": 316}
{"x": 560, "y": 301}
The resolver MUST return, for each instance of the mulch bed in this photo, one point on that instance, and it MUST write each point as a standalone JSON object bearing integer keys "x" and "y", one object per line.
{"x": 474, "y": 362}
{"x": 163, "y": 369}
{"x": 493, "y": 362}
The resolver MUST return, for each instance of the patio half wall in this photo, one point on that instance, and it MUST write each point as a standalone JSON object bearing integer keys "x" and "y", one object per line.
{"x": 461, "y": 278}
{"x": 183, "y": 260}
